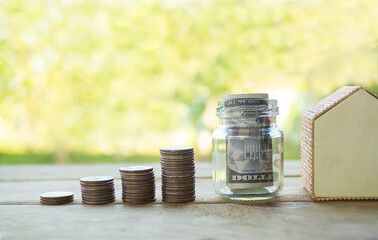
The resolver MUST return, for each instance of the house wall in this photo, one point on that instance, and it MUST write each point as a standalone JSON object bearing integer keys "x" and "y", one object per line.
{"x": 346, "y": 148}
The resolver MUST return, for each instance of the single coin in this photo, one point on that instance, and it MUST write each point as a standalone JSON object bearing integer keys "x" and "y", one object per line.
{"x": 135, "y": 169}
{"x": 98, "y": 195}
{"x": 136, "y": 176}
{"x": 97, "y": 186}
{"x": 176, "y": 148}
{"x": 178, "y": 178}
{"x": 179, "y": 200}
{"x": 90, "y": 199}
{"x": 98, "y": 200}
{"x": 178, "y": 184}
{"x": 97, "y": 192}
{"x": 177, "y": 163}
{"x": 178, "y": 157}
{"x": 179, "y": 169}
{"x": 139, "y": 196}
{"x": 149, "y": 194}
{"x": 139, "y": 201}
{"x": 140, "y": 183}
{"x": 97, "y": 203}
{"x": 138, "y": 179}
{"x": 146, "y": 200}
{"x": 97, "y": 179}
{"x": 138, "y": 190}
{"x": 56, "y": 203}
{"x": 138, "y": 187}
{"x": 178, "y": 174}
{"x": 190, "y": 192}
{"x": 56, "y": 194}
{"x": 57, "y": 199}
{"x": 178, "y": 187}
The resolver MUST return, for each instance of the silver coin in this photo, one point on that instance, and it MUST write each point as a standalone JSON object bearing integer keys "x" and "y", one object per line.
{"x": 96, "y": 179}
{"x": 135, "y": 169}
{"x": 176, "y": 148}
{"x": 97, "y": 203}
{"x": 56, "y": 194}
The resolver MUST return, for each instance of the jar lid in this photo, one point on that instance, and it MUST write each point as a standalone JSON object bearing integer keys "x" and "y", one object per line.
{"x": 248, "y": 95}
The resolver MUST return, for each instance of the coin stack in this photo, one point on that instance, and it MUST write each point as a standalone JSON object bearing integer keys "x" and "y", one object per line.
{"x": 56, "y": 198}
{"x": 138, "y": 184}
{"x": 97, "y": 190}
{"x": 178, "y": 174}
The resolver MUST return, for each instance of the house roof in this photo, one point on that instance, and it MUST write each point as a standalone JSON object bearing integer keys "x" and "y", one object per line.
{"x": 332, "y": 100}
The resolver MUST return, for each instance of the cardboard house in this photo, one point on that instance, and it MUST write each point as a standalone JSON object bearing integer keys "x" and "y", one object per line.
{"x": 339, "y": 146}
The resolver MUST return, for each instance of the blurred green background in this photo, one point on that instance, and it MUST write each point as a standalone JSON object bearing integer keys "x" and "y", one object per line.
{"x": 112, "y": 81}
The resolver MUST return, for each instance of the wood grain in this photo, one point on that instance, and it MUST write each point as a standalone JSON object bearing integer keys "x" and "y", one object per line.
{"x": 344, "y": 220}
{"x": 292, "y": 215}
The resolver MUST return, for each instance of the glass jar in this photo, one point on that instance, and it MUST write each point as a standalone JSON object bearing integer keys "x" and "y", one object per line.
{"x": 247, "y": 148}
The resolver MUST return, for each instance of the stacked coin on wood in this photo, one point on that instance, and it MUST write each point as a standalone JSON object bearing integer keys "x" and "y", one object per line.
{"x": 178, "y": 174}
{"x": 138, "y": 184}
{"x": 97, "y": 189}
{"x": 56, "y": 198}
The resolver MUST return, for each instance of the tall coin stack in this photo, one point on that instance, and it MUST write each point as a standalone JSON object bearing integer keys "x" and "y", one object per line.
{"x": 138, "y": 184}
{"x": 97, "y": 190}
{"x": 178, "y": 174}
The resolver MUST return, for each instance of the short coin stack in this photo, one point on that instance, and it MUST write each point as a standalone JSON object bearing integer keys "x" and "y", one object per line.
{"x": 138, "y": 184}
{"x": 56, "y": 198}
{"x": 178, "y": 174}
{"x": 97, "y": 190}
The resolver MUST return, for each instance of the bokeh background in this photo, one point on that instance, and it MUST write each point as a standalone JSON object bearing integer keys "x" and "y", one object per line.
{"x": 112, "y": 81}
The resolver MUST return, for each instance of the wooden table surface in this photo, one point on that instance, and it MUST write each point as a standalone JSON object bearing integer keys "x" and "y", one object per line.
{"x": 292, "y": 215}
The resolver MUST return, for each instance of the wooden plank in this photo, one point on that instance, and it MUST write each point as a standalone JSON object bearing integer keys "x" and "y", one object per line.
{"x": 27, "y": 192}
{"x": 330, "y": 220}
{"x": 76, "y": 171}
